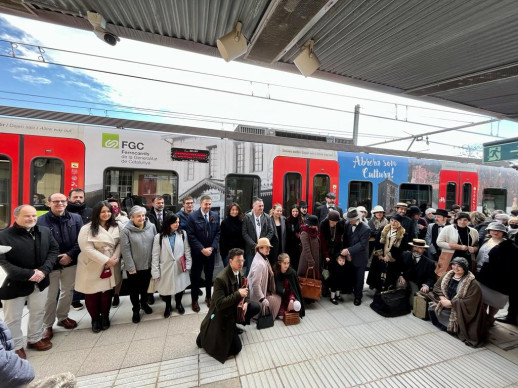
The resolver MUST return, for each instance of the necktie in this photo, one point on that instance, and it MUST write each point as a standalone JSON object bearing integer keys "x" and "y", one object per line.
{"x": 207, "y": 218}
{"x": 159, "y": 217}
{"x": 237, "y": 282}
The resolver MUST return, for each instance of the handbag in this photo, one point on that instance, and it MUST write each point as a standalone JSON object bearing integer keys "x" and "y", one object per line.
{"x": 421, "y": 306}
{"x": 265, "y": 320}
{"x": 391, "y": 303}
{"x": 183, "y": 263}
{"x": 310, "y": 287}
{"x": 106, "y": 273}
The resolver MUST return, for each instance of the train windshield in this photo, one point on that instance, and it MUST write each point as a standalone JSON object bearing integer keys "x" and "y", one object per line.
{"x": 5, "y": 192}
{"x": 241, "y": 189}
{"x": 47, "y": 178}
{"x": 138, "y": 187}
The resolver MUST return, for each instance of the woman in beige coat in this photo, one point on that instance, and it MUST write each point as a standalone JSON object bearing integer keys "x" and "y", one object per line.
{"x": 95, "y": 275}
{"x": 170, "y": 271}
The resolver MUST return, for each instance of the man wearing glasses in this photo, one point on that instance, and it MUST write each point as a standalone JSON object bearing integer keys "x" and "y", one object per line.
{"x": 64, "y": 227}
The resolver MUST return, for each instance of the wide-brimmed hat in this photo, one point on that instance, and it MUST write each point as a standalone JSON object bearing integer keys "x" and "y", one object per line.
{"x": 497, "y": 226}
{"x": 398, "y": 217}
{"x": 263, "y": 242}
{"x": 430, "y": 210}
{"x": 417, "y": 242}
{"x": 361, "y": 209}
{"x": 377, "y": 209}
{"x": 352, "y": 214}
{"x": 401, "y": 204}
{"x": 412, "y": 211}
{"x": 441, "y": 212}
{"x": 312, "y": 220}
{"x": 4, "y": 249}
{"x": 330, "y": 195}
{"x": 333, "y": 215}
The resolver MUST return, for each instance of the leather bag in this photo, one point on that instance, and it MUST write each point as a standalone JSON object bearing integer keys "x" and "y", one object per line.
{"x": 265, "y": 320}
{"x": 311, "y": 287}
{"x": 391, "y": 303}
{"x": 106, "y": 273}
{"x": 421, "y": 306}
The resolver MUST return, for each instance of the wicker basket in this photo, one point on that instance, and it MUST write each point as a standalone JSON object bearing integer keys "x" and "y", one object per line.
{"x": 291, "y": 318}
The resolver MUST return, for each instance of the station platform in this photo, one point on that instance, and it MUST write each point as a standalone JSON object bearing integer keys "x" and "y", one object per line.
{"x": 333, "y": 346}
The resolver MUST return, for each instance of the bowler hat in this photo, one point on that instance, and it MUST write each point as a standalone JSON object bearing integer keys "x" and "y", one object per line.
{"x": 398, "y": 217}
{"x": 263, "y": 242}
{"x": 333, "y": 215}
{"x": 352, "y": 214}
{"x": 312, "y": 221}
{"x": 419, "y": 243}
{"x": 330, "y": 195}
{"x": 441, "y": 212}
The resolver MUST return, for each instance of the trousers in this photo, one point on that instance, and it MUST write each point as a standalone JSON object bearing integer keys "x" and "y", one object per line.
{"x": 62, "y": 281}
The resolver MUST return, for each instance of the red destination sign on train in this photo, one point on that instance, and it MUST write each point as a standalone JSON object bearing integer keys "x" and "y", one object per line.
{"x": 186, "y": 154}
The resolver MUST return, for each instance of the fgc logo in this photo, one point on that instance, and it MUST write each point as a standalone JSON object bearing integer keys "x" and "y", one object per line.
{"x": 110, "y": 140}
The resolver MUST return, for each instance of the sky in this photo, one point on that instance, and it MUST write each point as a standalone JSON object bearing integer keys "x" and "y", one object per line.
{"x": 154, "y": 83}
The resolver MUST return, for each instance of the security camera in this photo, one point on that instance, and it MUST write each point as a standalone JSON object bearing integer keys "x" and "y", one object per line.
{"x": 99, "y": 23}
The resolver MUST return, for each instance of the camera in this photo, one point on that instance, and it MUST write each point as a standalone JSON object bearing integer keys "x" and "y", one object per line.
{"x": 99, "y": 24}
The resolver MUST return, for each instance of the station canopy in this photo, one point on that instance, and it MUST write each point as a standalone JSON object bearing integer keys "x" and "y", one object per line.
{"x": 462, "y": 54}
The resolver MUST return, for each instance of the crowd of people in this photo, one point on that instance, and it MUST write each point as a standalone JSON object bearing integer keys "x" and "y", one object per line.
{"x": 462, "y": 263}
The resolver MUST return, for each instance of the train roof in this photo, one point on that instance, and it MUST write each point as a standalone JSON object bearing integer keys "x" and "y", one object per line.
{"x": 456, "y": 53}
{"x": 295, "y": 141}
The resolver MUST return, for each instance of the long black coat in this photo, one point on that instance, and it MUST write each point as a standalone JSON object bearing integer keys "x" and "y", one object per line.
{"x": 499, "y": 272}
{"x": 421, "y": 273}
{"x": 19, "y": 265}
{"x": 217, "y": 328}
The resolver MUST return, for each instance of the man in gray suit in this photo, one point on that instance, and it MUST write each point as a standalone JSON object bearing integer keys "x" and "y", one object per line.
{"x": 356, "y": 250}
{"x": 256, "y": 224}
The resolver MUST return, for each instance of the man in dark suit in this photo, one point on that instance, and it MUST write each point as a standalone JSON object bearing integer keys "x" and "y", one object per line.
{"x": 417, "y": 269}
{"x": 440, "y": 221}
{"x": 156, "y": 215}
{"x": 27, "y": 264}
{"x": 256, "y": 225}
{"x": 356, "y": 250}
{"x": 323, "y": 210}
{"x": 218, "y": 331}
{"x": 203, "y": 231}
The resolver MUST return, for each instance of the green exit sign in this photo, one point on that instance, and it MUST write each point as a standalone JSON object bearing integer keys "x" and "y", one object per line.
{"x": 501, "y": 150}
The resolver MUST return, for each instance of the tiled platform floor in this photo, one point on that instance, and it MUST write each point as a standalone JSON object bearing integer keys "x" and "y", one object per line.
{"x": 334, "y": 346}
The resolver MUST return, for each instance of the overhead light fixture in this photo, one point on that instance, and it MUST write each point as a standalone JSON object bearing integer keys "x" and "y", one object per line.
{"x": 99, "y": 23}
{"x": 307, "y": 62}
{"x": 233, "y": 44}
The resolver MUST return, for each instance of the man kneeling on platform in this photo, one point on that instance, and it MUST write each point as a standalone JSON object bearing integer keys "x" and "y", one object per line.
{"x": 417, "y": 269}
{"x": 218, "y": 331}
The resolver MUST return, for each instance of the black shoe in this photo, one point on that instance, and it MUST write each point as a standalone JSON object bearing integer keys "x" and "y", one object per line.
{"x": 105, "y": 322}
{"x": 77, "y": 305}
{"x": 339, "y": 298}
{"x": 167, "y": 312}
{"x": 150, "y": 300}
{"x": 334, "y": 301}
{"x": 146, "y": 308}
{"x": 180, "y": 309}
{"x": 357, "y": 301}
{"x": 136, "y": 317}
{"x": 116, "y": 301}
{"x": 506, "y": 320}
{"x": 96, "y": 325}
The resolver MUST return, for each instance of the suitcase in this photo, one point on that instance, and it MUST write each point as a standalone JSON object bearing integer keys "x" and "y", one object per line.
{"x": 421, "y": 306}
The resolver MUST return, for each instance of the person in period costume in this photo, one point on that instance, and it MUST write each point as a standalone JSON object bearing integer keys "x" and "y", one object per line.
{"x": 310, "y": 242}
{"x": 170, "y": 263}
{"x": 322, "y": 210}
{"x": 100, "y": 252}
{"x": 433, "y": 231}
{"x": 376, "y": 224}
{"x": 287, "y": 286}
{"x": 261, "y": 279}
{"x": 459, "y": 308}
{"x": 332, "y": 230}
{"x": 218, "y": 332}
{"x": 386, "y": 263}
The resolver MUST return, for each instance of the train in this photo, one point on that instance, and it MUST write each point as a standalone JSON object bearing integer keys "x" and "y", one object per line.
{"x": 134, "y": 161}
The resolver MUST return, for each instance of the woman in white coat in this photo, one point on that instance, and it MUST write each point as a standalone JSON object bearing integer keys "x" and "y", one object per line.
{"x": 171, "y": 262}
{"x": 95, "y": 275}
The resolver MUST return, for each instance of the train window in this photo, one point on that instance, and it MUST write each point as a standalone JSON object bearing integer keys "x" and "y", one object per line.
{"x": 292, "y": 193}
{"x": 47, "y": 178}
{"x": 5, "y": 192}
{"x": 494, "y": 199}
{"x": 321, "y": 186}
{"x": 360, "y": 194}
{"x": 138, "y": 187}
{"x": 258, "y": 157}
{"x": 415, "y": 194}
{"x": 451, "y": 194}
{"x": 466, "y": 197}
{"x": 241, "y": 189}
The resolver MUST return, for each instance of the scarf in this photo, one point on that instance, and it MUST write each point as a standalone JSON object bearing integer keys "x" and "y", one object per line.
{"x": 390, "y": 238}
{"x": 378, "y": 224}
{"x": 462, "y": 289}
{"x": 312, "y": 232}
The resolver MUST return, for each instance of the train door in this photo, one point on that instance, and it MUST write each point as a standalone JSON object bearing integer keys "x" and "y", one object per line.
{"x": 33, "y": 167}
{"x": 458, "y": 187}
{"x": 300, "y": 179}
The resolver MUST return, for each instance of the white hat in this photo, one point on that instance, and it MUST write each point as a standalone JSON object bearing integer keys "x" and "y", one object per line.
{"x": 430, "y": 210}
{"x": 377, "y": 209}
{"x": 361, "y": 209}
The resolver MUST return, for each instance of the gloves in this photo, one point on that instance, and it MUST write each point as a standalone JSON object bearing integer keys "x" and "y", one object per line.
{"x": 265, "y": 303}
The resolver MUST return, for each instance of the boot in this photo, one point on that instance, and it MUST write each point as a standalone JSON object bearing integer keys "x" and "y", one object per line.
{"x": 147, "y": 309}
{"x": 136, "y": 317}
{"x": 105, "y": 322}
{"x": 96, "y": 325}
{"x": 168, "y": 310}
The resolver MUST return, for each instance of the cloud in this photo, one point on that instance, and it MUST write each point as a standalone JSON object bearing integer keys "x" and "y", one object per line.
{"x": 33, "y": 79}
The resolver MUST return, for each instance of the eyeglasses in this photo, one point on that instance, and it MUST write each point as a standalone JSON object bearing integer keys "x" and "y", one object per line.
{"x": 56, "y": 202}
